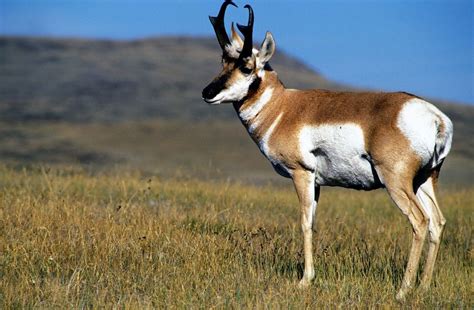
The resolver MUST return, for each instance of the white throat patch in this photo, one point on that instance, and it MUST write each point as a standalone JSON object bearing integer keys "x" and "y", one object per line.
{"x": 252, "y": 111}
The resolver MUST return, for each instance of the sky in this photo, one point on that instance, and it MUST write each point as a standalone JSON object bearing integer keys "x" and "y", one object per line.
{"x": 422, "y": 47}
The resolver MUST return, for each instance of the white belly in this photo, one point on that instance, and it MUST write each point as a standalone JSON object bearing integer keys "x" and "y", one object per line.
{"x": 338, "y": 156}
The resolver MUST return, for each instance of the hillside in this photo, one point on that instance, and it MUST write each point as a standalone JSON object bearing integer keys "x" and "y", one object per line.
{"x": 107, "y": 103}
{"x": 88, "y": 80}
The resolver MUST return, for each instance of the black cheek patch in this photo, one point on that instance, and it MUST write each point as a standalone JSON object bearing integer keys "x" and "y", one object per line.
{"x": 218, "y": 85}
{"x": 221, "y": 81}
{"x": 245, "y": 70}
{"x": 254, "y": 86}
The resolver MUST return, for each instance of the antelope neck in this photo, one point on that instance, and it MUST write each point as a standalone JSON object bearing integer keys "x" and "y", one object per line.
{"x": 255, "y": 110}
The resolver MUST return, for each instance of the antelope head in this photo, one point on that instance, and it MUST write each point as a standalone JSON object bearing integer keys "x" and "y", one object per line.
{"x": 242, "y": 65}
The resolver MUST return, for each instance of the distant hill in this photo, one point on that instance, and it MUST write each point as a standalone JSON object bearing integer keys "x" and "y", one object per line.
{"x": 97, "y": 80}
{"x": 102, "y": 80}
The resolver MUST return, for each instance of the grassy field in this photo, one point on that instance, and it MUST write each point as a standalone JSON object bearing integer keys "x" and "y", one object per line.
{"x": 71, "y": 238}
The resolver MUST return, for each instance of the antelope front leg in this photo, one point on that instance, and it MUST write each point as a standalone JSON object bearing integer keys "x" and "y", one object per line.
{"x": 308, "y": 196}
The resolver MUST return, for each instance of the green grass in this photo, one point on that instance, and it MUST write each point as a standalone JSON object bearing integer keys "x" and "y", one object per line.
{"x": 69, "y": 238}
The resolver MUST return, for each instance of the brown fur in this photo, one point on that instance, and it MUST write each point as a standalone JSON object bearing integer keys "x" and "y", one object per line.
{"x": 375, "y": 113}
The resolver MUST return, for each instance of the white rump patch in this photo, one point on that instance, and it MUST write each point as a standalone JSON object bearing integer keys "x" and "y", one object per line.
{"x": 337, "y": 155}
{"x": 420, "y": 122}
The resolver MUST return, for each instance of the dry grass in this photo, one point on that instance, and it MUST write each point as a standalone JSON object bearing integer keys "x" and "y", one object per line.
{"x": 72, "y": 239}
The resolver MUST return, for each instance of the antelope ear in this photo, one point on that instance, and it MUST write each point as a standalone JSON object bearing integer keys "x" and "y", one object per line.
{"x": 266, "y": 50}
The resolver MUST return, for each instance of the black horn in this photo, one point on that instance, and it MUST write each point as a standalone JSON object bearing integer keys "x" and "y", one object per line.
{"x": 219, "y": 26}
{"x": 247, "y": 32}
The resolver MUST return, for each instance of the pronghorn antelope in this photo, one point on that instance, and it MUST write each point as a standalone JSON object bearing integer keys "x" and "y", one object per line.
{"x": 321, "y": 138}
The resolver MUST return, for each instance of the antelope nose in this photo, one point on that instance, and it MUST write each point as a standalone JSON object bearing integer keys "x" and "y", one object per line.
{"x": 209, "y": 92}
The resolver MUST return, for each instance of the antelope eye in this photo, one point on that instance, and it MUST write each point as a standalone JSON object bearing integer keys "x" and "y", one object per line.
{"x": 245, "y": 70}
